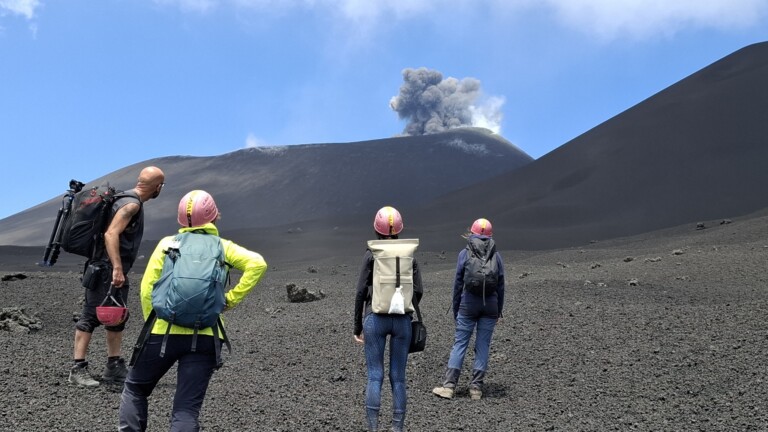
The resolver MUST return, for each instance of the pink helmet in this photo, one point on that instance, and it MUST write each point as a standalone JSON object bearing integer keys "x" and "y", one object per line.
{"x": 388, "y": 221}
{"x": 197, "y": 208}
{"x": 111, "y": 315}
{"x": 482, "y": 227}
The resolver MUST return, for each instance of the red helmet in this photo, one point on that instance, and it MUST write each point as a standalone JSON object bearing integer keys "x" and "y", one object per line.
{"x": 482, "y": 227}
{"x": 111, "y": 315}
{"x": 197, "y": 208}
{"x": 388, "y": 221}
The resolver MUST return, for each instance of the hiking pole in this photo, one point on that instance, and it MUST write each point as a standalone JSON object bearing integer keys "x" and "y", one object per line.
{"x": 52, "y": 249}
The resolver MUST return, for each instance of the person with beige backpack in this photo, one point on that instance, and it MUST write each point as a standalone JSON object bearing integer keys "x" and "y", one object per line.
{"x": 389, "y": 290}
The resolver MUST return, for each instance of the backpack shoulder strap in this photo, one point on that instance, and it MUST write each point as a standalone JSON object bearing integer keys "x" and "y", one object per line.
{"x": 141, "y": 341}
{"x": 127, "y": 194}
{"x": 397, "y": 271}
{"x": 491, "y": 252}
{"x": 220, "y": 339}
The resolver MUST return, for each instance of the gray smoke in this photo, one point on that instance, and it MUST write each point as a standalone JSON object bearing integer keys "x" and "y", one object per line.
{"x": 432, "y": 104}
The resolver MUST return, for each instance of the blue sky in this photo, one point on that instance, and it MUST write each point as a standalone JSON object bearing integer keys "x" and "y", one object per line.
{"x": 88, "y": 87}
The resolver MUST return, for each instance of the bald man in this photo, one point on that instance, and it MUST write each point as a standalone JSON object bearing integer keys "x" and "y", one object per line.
{"x": 121, "y": 247}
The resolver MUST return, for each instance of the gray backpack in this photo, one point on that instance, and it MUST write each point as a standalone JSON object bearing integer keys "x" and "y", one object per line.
{"x": 481, "y": 270}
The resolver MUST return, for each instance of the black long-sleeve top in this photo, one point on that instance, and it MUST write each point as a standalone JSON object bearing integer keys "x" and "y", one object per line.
{"x": 364, "y": 290}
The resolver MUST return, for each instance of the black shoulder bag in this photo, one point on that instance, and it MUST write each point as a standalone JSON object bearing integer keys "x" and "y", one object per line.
{"x": 418, "y": 333}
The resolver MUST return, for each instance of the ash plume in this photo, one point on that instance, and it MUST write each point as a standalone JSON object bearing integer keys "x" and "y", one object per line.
{"x": 431, "y": 104}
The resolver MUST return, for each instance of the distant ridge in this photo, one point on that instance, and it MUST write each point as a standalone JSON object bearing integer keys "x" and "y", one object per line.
{"x": 697, "y": 150}
{"x": 274, "y": 186}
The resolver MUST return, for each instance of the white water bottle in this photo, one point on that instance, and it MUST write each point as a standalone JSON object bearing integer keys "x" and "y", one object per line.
{"x": 397, "y": 305}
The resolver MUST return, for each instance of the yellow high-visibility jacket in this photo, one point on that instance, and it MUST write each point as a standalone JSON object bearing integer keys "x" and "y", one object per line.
{"x": 250, "y": 263}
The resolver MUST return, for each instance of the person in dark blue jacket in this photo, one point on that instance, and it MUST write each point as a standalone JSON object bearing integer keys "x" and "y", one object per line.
{"x": 478, "y": 301}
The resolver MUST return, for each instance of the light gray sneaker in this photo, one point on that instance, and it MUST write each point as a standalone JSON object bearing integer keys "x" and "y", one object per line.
{"x": 475, "y": 393}
{"x": 79, "y": 375}
{"x": 443, "y": 392}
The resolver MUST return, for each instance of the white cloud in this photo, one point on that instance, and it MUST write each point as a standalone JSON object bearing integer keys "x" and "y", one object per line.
{"x": 488, "y": 115}
{"x": 369, "y": 11}
{"x": 640, "y": 19}
{"x": 252, "y": 141}
{"x": 25, "y": 8}
{"x": 354, "y": 10}
{"x": 197, "y": 6}
{"x": 604, "y": 19}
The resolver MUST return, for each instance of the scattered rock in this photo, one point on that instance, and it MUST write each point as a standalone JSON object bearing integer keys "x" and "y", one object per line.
{"x": 700, "y": 226}
{"x": 302, "y": 295}
{"x": 12, "y": 277}
{"x": 602, "y": 284}
{"x": 683, "y": 278}
{"x": 16, "y": 320}
{"x": 656, "y": 259}
{"x": 633, "y": 282}
{"x": 273, "y": 310}
{"x": 524, "y": 275}
{"x": 629, "y": 259}
{"x": 563, "y": 265}
{"x": 594, "y": 266}
{"x": 337, "y": 378}
{"x": 725, "y": 222}
{"x": 312, "y": 269}
{"x": 678, "y": 252}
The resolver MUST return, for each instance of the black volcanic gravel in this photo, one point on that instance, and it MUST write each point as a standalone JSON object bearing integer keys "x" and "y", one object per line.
{"x": 579, "y": 349}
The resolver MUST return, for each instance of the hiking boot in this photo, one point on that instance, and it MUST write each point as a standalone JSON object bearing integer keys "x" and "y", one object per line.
{"x": 115, "y": 372}
{"x": 372, "y": 415}
{"x": 444, "y": 392}
{"x": 476, "y": 386}
{"x": 79, "y": 375}
{"x": 398, "y": 421}
{"x": 475, "y": 393}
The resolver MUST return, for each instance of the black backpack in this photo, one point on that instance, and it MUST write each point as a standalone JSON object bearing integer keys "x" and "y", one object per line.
{"x": 83, "y": 231}
{"x": 481, "y": 269}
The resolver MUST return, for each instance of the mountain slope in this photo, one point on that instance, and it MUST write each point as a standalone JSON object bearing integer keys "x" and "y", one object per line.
{"x": 266, "y": 187}
{"x": 697, "y": 150}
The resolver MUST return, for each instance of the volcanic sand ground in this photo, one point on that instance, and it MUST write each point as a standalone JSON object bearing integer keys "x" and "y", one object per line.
{"x": 579, "y": 348}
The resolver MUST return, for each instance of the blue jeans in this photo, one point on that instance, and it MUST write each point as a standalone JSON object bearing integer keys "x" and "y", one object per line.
{"x": 465, "y": 326}
{"x": 193, "y": 374}
{"x": 376, "y": 328}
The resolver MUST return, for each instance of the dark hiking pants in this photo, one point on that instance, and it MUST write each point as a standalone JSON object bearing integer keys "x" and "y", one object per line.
{"x": 193, "y": 374}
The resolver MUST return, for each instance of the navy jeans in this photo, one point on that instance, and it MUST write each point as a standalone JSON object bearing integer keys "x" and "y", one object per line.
{"x": 193, "y": 374}
{"x": 376, "y": 328}
{"x": 465, "y": 326}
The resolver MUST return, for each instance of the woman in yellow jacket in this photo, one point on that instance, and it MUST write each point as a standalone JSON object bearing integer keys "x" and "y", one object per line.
{"x": 197, "y": 212}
